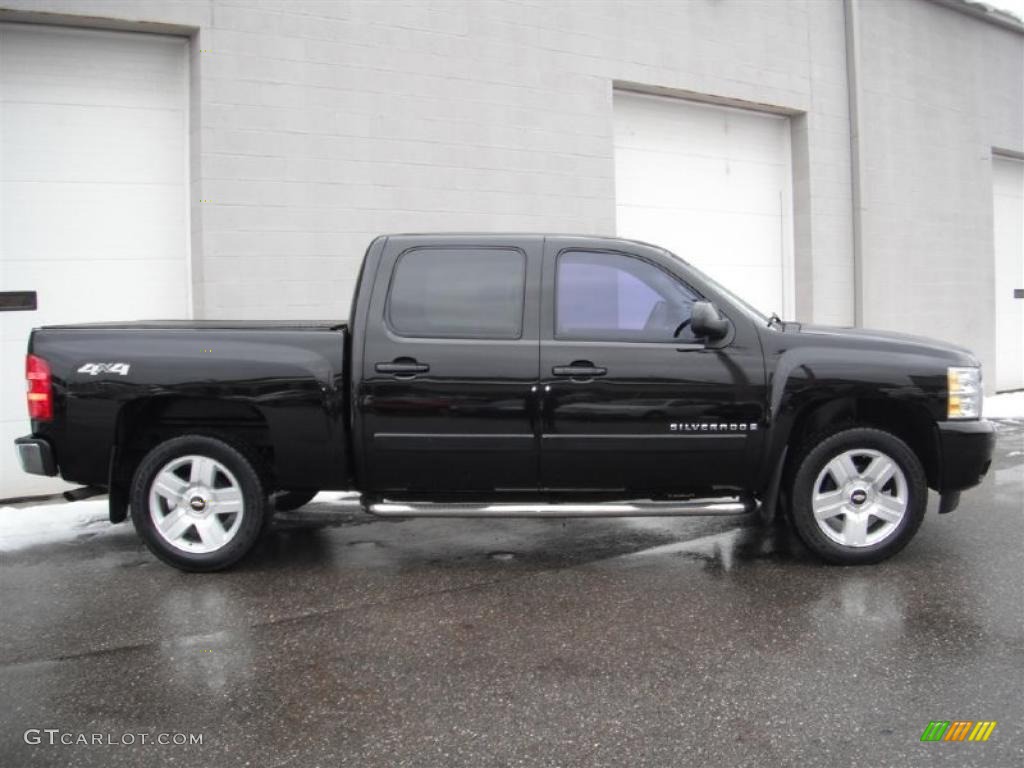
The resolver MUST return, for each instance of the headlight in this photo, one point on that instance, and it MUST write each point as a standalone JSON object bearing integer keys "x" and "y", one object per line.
{"x": 964, "y": 393}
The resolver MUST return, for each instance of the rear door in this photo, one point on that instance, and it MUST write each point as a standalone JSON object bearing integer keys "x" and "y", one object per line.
{"x": 450, "y": 366}
{"x": 629, "y": 405}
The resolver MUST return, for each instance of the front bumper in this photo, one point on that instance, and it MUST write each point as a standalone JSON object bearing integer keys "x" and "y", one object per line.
{"x": 36, "y": 456}
{"x": 965, "y": 448}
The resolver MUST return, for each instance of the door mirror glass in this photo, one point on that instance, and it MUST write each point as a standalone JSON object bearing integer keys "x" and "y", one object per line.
{"x": 706, "y": 321}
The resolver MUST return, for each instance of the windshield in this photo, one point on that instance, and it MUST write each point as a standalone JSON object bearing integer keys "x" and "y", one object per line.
{"x": 755, "y": 313}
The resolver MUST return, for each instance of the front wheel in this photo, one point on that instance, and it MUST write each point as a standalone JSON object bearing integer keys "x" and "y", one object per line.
{"x": 858, "y": 496}
{"x": 198, "y": 503}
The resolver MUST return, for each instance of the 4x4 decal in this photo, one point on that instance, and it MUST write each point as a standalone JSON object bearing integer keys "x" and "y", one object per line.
{"x": 94, "y": 369}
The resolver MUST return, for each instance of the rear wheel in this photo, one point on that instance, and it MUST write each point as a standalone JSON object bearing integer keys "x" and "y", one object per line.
{"x": 198, "y": 503}
{"x": 859, "y": 496}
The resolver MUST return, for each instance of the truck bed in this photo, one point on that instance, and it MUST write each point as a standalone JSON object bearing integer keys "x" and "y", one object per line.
{"x": 279, "y": 385}
{"x": 207, "y": 325}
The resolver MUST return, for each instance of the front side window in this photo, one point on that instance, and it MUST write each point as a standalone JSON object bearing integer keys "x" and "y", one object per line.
{"x": 605, "y": 296}
{"x": 469, "y": 293}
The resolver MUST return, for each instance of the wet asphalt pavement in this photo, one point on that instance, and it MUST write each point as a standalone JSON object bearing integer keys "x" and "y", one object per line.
{"x": 347, "y": 640}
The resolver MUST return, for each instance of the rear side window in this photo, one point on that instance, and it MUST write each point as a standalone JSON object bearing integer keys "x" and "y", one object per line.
{"x": 467, "y": 293}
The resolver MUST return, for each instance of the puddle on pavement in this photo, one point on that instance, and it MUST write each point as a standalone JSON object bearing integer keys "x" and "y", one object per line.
{"x": 727, "y": 549}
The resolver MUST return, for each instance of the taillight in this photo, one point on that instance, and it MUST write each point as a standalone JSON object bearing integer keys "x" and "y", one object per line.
{"x": 40, "y": 388}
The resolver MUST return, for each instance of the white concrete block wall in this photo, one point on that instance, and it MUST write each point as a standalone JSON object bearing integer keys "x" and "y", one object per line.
{"x": 318, "y": 124}
{"x": 828, "y": 137}
{"x": 939, "y": 93}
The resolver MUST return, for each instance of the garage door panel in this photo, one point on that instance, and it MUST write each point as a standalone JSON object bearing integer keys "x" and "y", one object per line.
{"x": 698, "y": 183}
{"x": 61, "y": 66}
{"x": 146, "y": 146}
{"x": 93, "y": 221}
{"x": 1008, "y": 221}
{"x": 93, "y": 193}
{"x": 102, "y": 290}
{"x": 711, "y": 184}
{"x": 715, "y": 233}
{"x": 721, "y": 158}
{"x": 750, "y": 136}
{"x": 12, "y": 391}
{"x": 693, "y": 151}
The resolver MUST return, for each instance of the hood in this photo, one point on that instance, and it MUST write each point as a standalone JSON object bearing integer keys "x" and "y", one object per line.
{"x": 889, "y": 341}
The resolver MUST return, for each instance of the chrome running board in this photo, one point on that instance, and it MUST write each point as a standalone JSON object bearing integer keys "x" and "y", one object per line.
{"x": 722, "y": 506}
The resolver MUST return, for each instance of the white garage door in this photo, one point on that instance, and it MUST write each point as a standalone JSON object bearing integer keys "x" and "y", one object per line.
{"x": 714, "y": 186}
{"x": 93, "y": 197}
{"x": 1008, "y": 198}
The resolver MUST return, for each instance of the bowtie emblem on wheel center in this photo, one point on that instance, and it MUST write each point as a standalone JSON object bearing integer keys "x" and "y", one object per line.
{"x": 198, "y": 503}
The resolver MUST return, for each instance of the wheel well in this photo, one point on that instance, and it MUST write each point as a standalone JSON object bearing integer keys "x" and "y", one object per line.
{"x": 145, "y": 424}
{"x": 910, "y": 422}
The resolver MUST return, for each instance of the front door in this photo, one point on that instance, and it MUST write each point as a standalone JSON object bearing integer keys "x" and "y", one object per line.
{"x": 633, "y": 403}
{"x": 450, "y": 367}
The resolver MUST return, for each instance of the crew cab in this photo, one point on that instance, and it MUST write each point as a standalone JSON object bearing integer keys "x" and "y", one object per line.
{"x": 509, "y": 375}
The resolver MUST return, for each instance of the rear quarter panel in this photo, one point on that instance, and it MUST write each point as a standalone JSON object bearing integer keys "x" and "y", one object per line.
{"x": 294, "y": 378}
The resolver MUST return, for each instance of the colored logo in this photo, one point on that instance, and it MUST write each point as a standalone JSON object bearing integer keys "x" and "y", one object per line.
{"x": 958, "y": 730}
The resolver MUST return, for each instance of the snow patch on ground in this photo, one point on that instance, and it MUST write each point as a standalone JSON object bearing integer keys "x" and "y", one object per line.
{"x": 55, "y": 520}
{"x": 52, "y": 521}
{"x": 1009, "y": 405}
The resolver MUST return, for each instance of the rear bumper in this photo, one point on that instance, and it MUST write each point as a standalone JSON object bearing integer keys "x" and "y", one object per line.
{"x": 966, "y": 453}
{"x": 36, "y": 456}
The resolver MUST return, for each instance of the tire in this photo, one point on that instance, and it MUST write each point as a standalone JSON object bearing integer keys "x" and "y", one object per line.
{"x": 287, "y": 501}
{"x": 198, "y": 503}
{"x": 858, "y": 495}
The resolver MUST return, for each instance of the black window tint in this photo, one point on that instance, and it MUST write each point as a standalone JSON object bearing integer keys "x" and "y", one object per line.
{"x": 458, "y": 293}
{"x": 614, "y": 297}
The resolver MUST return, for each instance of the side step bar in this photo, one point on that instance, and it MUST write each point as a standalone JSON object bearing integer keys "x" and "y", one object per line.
{"x": 720, "y": 506}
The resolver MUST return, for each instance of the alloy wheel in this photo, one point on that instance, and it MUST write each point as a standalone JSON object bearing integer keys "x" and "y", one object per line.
{"x": 860, "y": 498}
{"x": 196, "y": 504}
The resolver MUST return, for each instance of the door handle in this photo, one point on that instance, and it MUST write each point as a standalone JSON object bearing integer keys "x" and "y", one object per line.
{"x": 579, "y": 369}
{"x": 403, "y": 366}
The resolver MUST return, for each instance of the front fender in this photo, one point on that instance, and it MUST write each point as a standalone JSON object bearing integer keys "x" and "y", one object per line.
{"x": 809, "y": 378}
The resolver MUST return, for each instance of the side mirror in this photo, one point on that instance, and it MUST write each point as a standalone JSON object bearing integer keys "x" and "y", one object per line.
{"x": 706, "y": 322}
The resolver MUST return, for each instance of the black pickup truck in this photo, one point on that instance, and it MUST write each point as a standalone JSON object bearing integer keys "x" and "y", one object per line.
{"x": 510, "y": 375}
